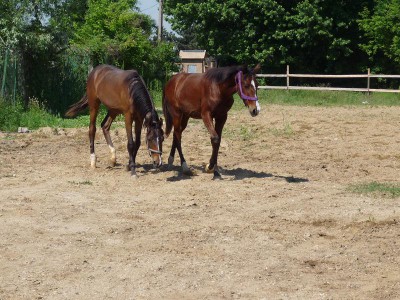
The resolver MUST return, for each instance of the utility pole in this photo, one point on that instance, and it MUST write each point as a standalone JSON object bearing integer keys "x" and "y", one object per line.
{"x": 160, "y": 21}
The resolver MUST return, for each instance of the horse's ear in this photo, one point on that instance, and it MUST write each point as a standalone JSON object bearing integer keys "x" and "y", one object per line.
{"x": 257, "y": 69}
{"x": 244, "y": 68}
{"x": 147, "y": 119}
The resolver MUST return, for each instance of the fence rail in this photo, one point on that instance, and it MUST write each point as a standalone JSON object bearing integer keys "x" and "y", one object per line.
{"x": 288, "y": 75}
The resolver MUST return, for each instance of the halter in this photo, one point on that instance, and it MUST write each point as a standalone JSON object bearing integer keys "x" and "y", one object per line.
{"x": 238, "y": 80}
{"x": 154, "y": 151}
{"x": 158, "y": 146}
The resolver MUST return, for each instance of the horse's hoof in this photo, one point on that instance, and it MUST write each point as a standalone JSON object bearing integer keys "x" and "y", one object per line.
{"x": 134, "y": 176}
{"x": 170, "y": 161}
{"x": 133, "y": 173}
{"x": 217, "y": 176}
{"x": 186, "y": 170}
{"x": 112, "y": 163}
{"x": 187, "y": 173}
{"x": 208, "y": 170}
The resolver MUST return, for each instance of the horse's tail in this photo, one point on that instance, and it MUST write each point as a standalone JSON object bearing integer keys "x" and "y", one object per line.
{"x": 74, "y": 109}
{"x": 167, "y": 115}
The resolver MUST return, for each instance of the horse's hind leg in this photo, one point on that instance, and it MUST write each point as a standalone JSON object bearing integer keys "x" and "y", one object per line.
{"x": 106, "y": 125}
{"x": 179, "y": 126}
{"x": 94, "y": 110}
{"x": 216, "y": 142}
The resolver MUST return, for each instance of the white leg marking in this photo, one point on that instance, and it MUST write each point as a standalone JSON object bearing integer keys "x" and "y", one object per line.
{"x": 208, "y": 170}
{"x": 113, "y": 156}
{"x": 93, "y": 160}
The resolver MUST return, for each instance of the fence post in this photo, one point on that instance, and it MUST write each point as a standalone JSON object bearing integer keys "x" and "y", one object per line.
{"x": 3, "y": 84}
{"x": 287, "y": 77}
{"x": 15, "y": 79}
{"x": 368, "y": 80}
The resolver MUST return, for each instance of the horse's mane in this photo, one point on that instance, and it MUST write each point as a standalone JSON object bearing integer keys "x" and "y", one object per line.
{"x": 219, "y": 75}
{"x": 140, "y": 95}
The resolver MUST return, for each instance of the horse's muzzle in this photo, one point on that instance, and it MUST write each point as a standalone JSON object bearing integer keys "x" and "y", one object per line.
{"x": 157, "y": 163}
{"x": 254, "y": 112}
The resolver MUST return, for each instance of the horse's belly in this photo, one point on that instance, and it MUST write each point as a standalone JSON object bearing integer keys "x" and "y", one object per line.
{"x": 195, "y": 115}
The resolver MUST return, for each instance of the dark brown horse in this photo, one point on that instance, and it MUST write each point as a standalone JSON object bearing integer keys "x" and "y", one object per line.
{"x": 207, "y": 96}
{"x": 122, "y": 92}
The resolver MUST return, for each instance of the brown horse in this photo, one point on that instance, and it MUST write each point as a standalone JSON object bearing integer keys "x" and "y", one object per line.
{"x": 122, "y": 92}
{"x": 207, "y": 96}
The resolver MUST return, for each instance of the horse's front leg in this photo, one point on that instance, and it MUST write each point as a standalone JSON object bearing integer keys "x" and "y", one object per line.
{"x": 215, "y": 136}
{"x": 172, "y": 152}
{"x": 138, "y": 131}
{"x": 106, "y": 125}
{"x": 131, "y": 144}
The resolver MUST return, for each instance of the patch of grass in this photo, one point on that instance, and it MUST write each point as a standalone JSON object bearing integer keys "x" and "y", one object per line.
{"x": 377, "y": 189}
{"x": 286, "y": 131}
{"x": 156, "y": 95}
{"x": 245, "y": 133}
{"x": 36, "y": 115}
{"x": 85, "y": 182}
{"x": 327, "y": 98}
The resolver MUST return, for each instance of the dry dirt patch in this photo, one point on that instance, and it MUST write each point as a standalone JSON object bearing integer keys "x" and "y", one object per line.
{"x": 280, "y": 225}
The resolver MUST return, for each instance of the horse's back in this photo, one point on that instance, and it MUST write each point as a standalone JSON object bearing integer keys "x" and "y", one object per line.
{"x": 106, "y": 74}
{"x": 111, "y": 86}
{"x": 184, "y": 92}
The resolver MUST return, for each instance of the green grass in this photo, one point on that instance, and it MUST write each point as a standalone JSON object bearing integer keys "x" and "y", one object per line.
{"x": 286, "y": 131}
{"x": 327, "y": 98}
{"x": 12, "y": 117}
{"x": 377, "y": 189}
{"x": 85, "y": 182}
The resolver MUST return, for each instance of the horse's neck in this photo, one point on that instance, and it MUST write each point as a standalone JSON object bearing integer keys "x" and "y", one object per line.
{"x": 230, "y": 86}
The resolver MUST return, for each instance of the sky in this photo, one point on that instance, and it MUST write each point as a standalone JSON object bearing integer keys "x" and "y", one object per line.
{"x": 150, "y": 7}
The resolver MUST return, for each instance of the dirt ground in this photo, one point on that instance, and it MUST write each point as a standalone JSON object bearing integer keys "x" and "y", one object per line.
{"x": 282, "y": 224}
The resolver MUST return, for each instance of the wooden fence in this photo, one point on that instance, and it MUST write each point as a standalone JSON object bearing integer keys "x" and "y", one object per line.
{"x": 288, "y": 75}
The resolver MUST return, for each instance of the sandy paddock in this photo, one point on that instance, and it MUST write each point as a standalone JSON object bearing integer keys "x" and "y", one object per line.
{"x": 282, "y": 223}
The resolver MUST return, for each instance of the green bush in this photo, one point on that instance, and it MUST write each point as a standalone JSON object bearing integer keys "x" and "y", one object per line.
{"x": 10, "y": 116}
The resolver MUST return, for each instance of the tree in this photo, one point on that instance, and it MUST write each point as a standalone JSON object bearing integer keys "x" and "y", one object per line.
{"x": 232, "y": 28}
{"x": 311, "y": 35}
{"x": 381, "y": 29}
{"x": 55, "y": 42}
{"x": 114, "y": 33}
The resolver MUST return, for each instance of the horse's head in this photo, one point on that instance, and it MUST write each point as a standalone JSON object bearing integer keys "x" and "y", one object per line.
{"x": 246, "y": 85}
{"x": 154, "y": 137}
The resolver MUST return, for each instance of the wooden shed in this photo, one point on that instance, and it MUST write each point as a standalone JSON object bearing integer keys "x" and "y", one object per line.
{"x": 195, "y": 61}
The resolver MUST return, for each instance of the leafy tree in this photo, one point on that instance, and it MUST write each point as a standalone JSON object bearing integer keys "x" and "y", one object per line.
{"x": 114, "y": 33}
{"x": 232, "y": 28}
{"x": 55, "y": 42}
{"x": 322, "y": 36}
{"x": 311, "y": 35}
{"x": 382, "y": 31}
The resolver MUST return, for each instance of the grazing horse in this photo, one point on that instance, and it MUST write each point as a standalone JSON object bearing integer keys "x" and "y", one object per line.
{"x": 122, "y": 92}
{"x": 207, "y": 96}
